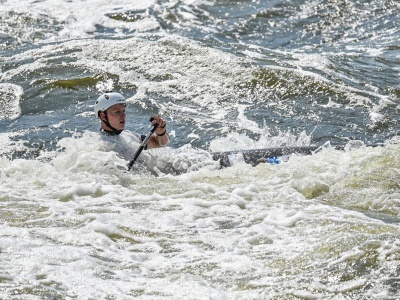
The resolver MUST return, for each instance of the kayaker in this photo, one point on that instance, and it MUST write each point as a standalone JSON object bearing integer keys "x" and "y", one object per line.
{"x": 110, "y": 109}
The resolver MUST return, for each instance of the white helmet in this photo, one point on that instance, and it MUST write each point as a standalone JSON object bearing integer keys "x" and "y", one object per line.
{"x": 107, "y": 100}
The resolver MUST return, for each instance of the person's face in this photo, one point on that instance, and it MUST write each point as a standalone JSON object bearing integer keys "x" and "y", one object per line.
{"x": 116, "y": 116}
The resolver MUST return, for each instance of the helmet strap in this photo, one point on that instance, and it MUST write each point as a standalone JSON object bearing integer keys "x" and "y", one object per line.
{"x": 113, "y": 130}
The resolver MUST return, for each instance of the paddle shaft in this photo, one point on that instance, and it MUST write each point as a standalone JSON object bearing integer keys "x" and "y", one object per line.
{"x": 142, "y": 146}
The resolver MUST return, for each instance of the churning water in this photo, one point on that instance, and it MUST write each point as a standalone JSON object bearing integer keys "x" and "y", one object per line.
{"x": 226, "y": 75}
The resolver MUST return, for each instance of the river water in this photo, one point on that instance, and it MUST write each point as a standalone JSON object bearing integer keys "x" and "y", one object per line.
{"x": 226, "y": 75}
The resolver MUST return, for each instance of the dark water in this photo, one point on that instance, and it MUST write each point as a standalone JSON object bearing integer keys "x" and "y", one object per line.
{"x": 326, "y": 68}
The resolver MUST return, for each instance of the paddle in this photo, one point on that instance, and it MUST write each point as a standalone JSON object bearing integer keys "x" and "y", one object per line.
{"x": 142, "y": 146}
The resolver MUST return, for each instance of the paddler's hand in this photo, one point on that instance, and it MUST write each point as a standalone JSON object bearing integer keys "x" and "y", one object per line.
{"x": 160, "y": 138}
{"x": 161, "y": 125}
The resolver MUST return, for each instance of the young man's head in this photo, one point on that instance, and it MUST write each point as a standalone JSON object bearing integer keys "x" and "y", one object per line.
{"x": 110, "y": 109}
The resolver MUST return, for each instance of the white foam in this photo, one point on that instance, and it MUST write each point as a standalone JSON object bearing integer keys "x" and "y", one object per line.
{"x": 77, "y": 222}
{"x": 80, "y": 18}
{"x": 10, "y": 97}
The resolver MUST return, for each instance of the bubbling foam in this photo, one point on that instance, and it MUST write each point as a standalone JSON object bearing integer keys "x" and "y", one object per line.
{"x": 10, "y": 97}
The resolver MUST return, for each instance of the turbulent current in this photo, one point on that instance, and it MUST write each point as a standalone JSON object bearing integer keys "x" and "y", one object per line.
{"x": 226, "y": 75}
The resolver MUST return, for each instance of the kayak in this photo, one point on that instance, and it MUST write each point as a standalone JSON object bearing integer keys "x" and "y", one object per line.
{"x": 266, "y": 155}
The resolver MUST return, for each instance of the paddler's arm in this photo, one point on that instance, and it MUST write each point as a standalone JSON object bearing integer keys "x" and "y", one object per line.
{"x": 160, "y": 137}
